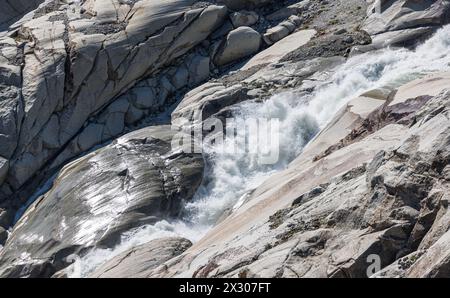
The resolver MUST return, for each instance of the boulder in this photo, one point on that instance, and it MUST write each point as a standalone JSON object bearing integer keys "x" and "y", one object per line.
{"x": 206, "y": 100}
{"x": 136, "y": 180}
{"x": 383, "y": 16}
{"x": 282, "y": 30}
{"x": 233, "y": 48}
{"x": 140, "y": 261}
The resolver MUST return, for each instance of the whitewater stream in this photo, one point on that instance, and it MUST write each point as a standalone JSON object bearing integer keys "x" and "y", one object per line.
{"x": 230, "y": 177}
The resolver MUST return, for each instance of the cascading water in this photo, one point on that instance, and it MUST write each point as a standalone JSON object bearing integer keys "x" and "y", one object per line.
{"x": 230, "y": 177}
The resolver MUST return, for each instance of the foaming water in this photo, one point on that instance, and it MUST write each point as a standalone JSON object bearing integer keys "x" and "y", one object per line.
{"x": 229, "y": 178}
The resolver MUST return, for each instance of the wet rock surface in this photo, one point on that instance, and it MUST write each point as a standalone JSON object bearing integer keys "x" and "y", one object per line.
{"x": 72, "y": 68}
{"x": 382, "y": 194}
{"x": 136, "y": 180}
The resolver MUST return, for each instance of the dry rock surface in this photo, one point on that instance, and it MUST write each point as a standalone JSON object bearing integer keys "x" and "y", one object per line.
{"x": 142, "y": 259}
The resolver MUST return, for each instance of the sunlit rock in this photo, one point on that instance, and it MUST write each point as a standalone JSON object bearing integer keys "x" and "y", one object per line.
{"x": 134, "y": 181}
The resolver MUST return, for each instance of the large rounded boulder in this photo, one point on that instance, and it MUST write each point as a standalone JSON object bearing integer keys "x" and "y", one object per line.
{"x": 240, "y": 43}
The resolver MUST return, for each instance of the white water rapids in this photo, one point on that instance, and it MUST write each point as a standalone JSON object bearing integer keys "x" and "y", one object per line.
{"x": 230, "y": 177}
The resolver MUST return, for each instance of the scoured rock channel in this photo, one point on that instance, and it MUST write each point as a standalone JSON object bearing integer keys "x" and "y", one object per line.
{"x": 86, "y": 139}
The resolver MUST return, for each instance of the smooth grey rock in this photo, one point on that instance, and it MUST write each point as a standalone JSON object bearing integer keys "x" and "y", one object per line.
{"x": 205, "y": 101}
{"x": 119, "y": 106}
{"x": 114, "y": 125}
{"x": 234, "y": 49}
{"x": 43, "y": 76}
{"x": 139, "y": 262}
{"x": 11, "y": 105}
{"x": 377, "y": 188}
{"x": 110, "y": 52}
{"x": 282, "y": 30}
{"x": 134, "y": 181}
{"x": 386, "y": 16}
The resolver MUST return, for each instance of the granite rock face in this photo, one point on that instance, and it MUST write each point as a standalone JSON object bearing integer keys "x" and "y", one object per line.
{"x": 372, "y": 183}
{"x": 136, "y": 180}
{"x": 88, "y": 88}
{"x": 76, "y": 74}
{"x": 64, "y": 71}
{"x": 404, "y": 23}
{"x": 138, "y": 261}
{"x": 386, "y": 16}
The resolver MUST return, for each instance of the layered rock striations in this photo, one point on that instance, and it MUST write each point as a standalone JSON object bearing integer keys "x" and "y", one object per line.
{"x": 67, "y": 66}
{"x": 373, "y": 182}
{"x": 85, "y": 87}
{"x": 136, "y": 180}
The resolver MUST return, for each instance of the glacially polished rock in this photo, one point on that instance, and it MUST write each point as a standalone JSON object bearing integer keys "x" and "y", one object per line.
{"x": 136, "y": 180}
{"x": 76, "y": 61}
{"x": 139, "y": 261}
{"x": 373, "y": 182}
{"x": 386, "y": 16}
